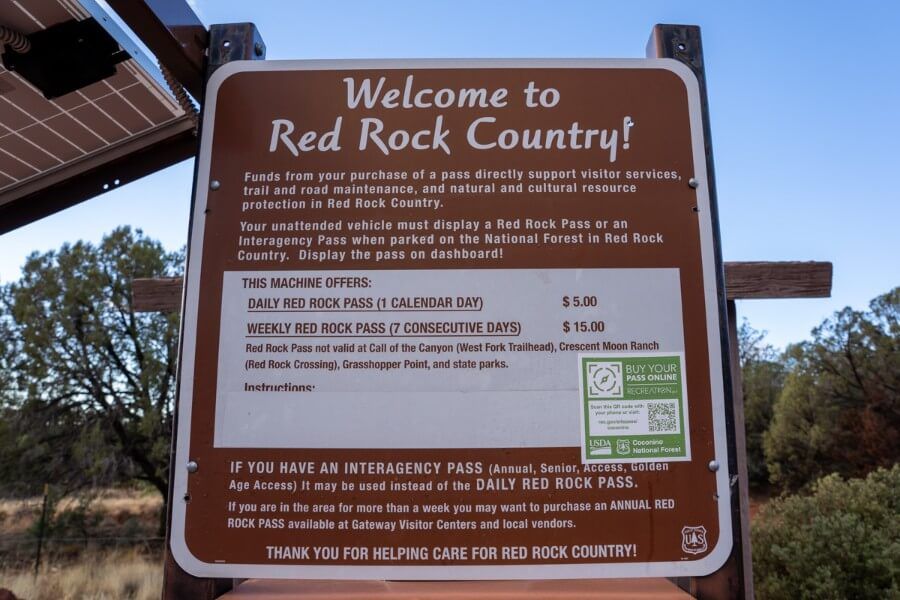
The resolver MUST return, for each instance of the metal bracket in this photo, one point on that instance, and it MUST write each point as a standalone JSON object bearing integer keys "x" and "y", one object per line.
{"x": 234, "y": 41}
{"x": 66, "y": 57}
{"x": 681, "y": 42}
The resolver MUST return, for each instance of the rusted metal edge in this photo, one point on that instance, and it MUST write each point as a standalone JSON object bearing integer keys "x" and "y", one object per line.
{"x": 173, "y": 32}
{"x": 580, "y": 589}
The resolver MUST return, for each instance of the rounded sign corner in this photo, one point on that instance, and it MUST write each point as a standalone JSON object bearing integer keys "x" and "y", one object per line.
{"x": 682, "y": 71}
{"x": 186, "y": 559}
{"x": 714, "y": 561}
{"x": 223, "y": 73}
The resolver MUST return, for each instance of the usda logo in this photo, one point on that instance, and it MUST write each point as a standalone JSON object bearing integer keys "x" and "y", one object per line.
{"x": 600, "y": 448}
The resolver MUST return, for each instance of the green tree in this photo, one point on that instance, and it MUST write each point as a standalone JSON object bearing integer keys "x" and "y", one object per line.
{"x": 841, "y": 541}
{"x": 762, "y": 377}
{"x": 840, "y": 408}
{"x": 93, "y": 390}
{"x": 8, "y": 465}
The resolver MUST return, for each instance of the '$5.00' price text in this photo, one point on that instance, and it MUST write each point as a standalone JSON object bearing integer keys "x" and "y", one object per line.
{"x": 579, "y": 301}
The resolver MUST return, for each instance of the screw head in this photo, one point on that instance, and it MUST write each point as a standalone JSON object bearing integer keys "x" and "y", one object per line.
{"x": 192, "y": 467}
{"x": 713, "y": 465}
{"x": 693, "y": 183}
{"x": 214, "y": 184}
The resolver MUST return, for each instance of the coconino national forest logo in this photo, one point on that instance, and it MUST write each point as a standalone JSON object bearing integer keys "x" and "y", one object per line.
{"x": 693, "y": 539}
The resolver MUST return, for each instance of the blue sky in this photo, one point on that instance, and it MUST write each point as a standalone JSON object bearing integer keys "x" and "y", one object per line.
{"x": 804, "y": 101}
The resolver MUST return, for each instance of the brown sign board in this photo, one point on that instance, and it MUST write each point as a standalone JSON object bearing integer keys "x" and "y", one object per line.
{"x": 451, "y": 320}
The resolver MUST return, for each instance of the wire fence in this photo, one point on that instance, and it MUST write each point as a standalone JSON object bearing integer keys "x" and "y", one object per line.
{"x": 22, "y": 550}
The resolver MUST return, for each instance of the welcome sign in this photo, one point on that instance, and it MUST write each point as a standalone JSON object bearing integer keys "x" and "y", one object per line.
{"x": 451, "y": 320}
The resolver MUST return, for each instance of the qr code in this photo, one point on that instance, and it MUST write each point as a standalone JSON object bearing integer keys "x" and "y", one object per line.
{"x": 662, "y": 417}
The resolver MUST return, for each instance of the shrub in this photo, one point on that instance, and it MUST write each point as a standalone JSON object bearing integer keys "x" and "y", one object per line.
{"x": 841, "y": 541}
{"x": 839, "y": 410}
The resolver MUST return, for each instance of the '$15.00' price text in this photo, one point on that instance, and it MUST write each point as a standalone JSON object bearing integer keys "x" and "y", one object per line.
{"x": 583, "y": 326}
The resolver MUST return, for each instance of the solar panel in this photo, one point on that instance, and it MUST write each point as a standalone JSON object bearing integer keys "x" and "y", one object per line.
{"x": 43, "y": 142}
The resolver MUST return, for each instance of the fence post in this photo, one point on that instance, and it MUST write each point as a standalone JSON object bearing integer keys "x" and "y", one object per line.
{"x": 41, "y": 525}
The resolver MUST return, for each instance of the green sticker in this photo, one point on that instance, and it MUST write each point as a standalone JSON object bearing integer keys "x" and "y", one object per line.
{"x": 633, "y": 408}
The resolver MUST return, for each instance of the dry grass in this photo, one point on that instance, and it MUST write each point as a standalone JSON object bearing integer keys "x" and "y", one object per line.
{"x": 115, "y": 576}
{"x": 115, "y": 506}
{"x": 119, "y": 558}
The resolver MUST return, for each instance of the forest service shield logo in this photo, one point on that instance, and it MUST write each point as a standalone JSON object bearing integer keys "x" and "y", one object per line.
{"x": 693, "y": 539}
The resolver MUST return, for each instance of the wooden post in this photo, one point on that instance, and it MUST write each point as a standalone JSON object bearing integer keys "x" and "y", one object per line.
{"x": 683, "y": 43}
{"x": 227, "y": 42}
{"x": 740, "y": 442}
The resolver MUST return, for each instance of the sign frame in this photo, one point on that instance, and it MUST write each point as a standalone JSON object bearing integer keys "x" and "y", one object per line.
{"x": 710, "y": 266}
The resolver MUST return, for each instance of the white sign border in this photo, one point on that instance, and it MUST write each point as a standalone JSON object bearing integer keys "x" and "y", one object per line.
{"x": 182, "y": 554}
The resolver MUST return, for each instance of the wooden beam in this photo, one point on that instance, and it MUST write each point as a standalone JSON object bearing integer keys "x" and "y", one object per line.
{"x": 743, "y": 281}
{"x": 157, "y": 295}
{"x": 750, "y": 280}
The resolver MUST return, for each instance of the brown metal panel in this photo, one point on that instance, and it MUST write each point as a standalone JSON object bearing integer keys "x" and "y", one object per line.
{"x": 24, "y": 96}
{"x": 17, "y": 19}
{"x": 125, "y": 115}
{"x": 148, "y": 104}
{"x": 95, "y": 91}
{"x": 66, "y": 126}
{"x": 69, "y": 101}
{"x": 11, "y": 116}
{"x": 10, "y": 165}
{"x": 29, "y": 16}
{"x": 122, "y": 78}
{"x": 48, "y": 12}
{"x": 34, "y": 157}
{"x": 91, "y": 116}
{"x": 45, "y": 138}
